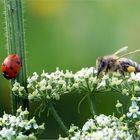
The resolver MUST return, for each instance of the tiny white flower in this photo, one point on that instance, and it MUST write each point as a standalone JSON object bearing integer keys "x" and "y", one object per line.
{"x": 42, "y": 126}
{"x": 94, "y": 80}
{"x": 134, "y": 99}
{"x": 16, "y": 84}
{"x": 137, "y": 88}
{"x": 12, "y": 120}
{"x": 28, "y": 126}
{"x": 19, "y": 109}
{"x": 35, "y": 76}
{"x": 133, "y": 110}
{"x": 22, "y": 124}
{"x": 5, "y": 117}
{"x": 103, "y": 120}
{"x": 43, "y": 74}
{"x": 69, "y": 88}
{"x": 35, "y": 92}
{"x": 64, "y": 87}
{"x": 101, "y": 84}
{"x": 33, "y": 120}
{"x": 22, "y": 137}
{"x": 42, "y": 88}
{"x": 56, "y": 96}
{"x": 76, "y": 85}
{"x": 73, "y": 128}
{"x": 32, "y": 137}
{"x": 30, "y": 96}
{"x": 26, "y": 112}
{"x": 34, "y": 95}
{"x": 29, "y": 80}
{"x": 49, "y": 87}
{"x": 122, "y": 117}
{"x": 138, "y": 98}
{"x": 125, "y": 92}
{"x": 84, "y": 73}
{"x": 15, "y": 88}
{"x": 118, "y": 105}
{"x": 61, "y": 82}
{"x": 69, "y": 74}
{"x": 29, "y": 85}
{"x": 88, "y": 125}
{"x": 116, "y": 74}
{"x": 105, "y": 77}
{"x": 60, "y": 138}
{"x": 135, "y": 77}
{"x": 42, "y": 83}
{"x": 116, "y": 81}
{"x": 21, "y": 88}
{"x": 48, "y": 97}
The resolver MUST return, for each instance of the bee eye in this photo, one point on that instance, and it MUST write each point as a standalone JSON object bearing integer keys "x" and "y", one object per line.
{"x": 103, "y": 63}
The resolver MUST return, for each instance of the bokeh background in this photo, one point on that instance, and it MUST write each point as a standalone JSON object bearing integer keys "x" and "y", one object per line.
{"x": 71, "y": 34}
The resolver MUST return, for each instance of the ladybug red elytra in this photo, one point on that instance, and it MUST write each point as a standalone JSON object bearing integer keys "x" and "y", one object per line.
{"x": 11, "y": 66}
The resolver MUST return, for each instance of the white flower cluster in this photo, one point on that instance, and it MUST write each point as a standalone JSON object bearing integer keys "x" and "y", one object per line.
{"x": 104, "y": 127}
{"x": 128, "y": 85}
{"x": 134, "y": 110}
{"x": 101, "y": 128}
{"x": 18, "y": 127}
{"x": 52, "y": 86}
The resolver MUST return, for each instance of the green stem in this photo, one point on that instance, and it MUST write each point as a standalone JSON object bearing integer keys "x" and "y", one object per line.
{"x": 91, "y": 99}
{"x": 16, "y": 45}
{"x": 58, "y": 119}
{"x": 79, "y": 104}
{"x": 91, "y": 104}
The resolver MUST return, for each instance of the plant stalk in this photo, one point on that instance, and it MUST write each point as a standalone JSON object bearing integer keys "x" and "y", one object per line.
{"x": 16, "y": 45}
{"x": 58, "y": 119}
{"x": 91, "y": 105}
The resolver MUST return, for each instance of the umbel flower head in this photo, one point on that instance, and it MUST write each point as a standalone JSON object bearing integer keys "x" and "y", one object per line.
{"x": 15, "y": 127}
{"x": 51, "y": 86}
{"x": 101, "y": 128}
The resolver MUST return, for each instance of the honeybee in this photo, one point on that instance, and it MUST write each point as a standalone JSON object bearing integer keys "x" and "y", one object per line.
{"x": 115, "y": 63}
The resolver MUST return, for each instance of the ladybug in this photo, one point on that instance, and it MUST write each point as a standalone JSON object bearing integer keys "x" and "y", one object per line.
{"x": 11, "y": 66}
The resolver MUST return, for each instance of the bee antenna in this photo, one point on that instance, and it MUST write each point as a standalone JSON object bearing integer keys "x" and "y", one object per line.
{"x": 130, "y": 53}
{"x": 121, "y": 50}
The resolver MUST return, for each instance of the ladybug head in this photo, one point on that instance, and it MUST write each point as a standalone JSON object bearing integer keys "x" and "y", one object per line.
{"x": 5, "y": 74}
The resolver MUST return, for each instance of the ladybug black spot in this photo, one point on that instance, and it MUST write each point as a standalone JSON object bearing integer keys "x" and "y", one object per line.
{"x": 18, "y": 62}
{"x": 5, "y": 74}
{"x": 11, "y": 68}
{"x": 15, "y": 72}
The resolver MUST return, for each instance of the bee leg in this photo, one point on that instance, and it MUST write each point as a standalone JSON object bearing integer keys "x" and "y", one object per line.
{"x": 121, "y": 72}
{"x": 106, "y": 70}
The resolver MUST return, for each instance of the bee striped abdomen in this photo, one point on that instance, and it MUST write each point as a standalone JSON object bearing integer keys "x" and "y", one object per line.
{"x": 138, "y": 68}
{"x": 130, "y": 66}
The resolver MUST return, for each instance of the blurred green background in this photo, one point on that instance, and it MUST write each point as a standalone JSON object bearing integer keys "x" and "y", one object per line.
{"x": 71, "y": 34}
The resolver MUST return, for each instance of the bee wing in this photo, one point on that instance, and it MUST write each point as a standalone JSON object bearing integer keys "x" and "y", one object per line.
{"x": 121, "y": 50}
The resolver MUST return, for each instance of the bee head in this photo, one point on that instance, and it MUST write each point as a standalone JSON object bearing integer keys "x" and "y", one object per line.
{"x": 101, "y": 64}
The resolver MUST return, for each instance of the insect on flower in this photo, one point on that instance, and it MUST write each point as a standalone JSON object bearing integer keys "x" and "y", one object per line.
{"x": 114, "y": 62}
{"x": 11, "y": 66}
